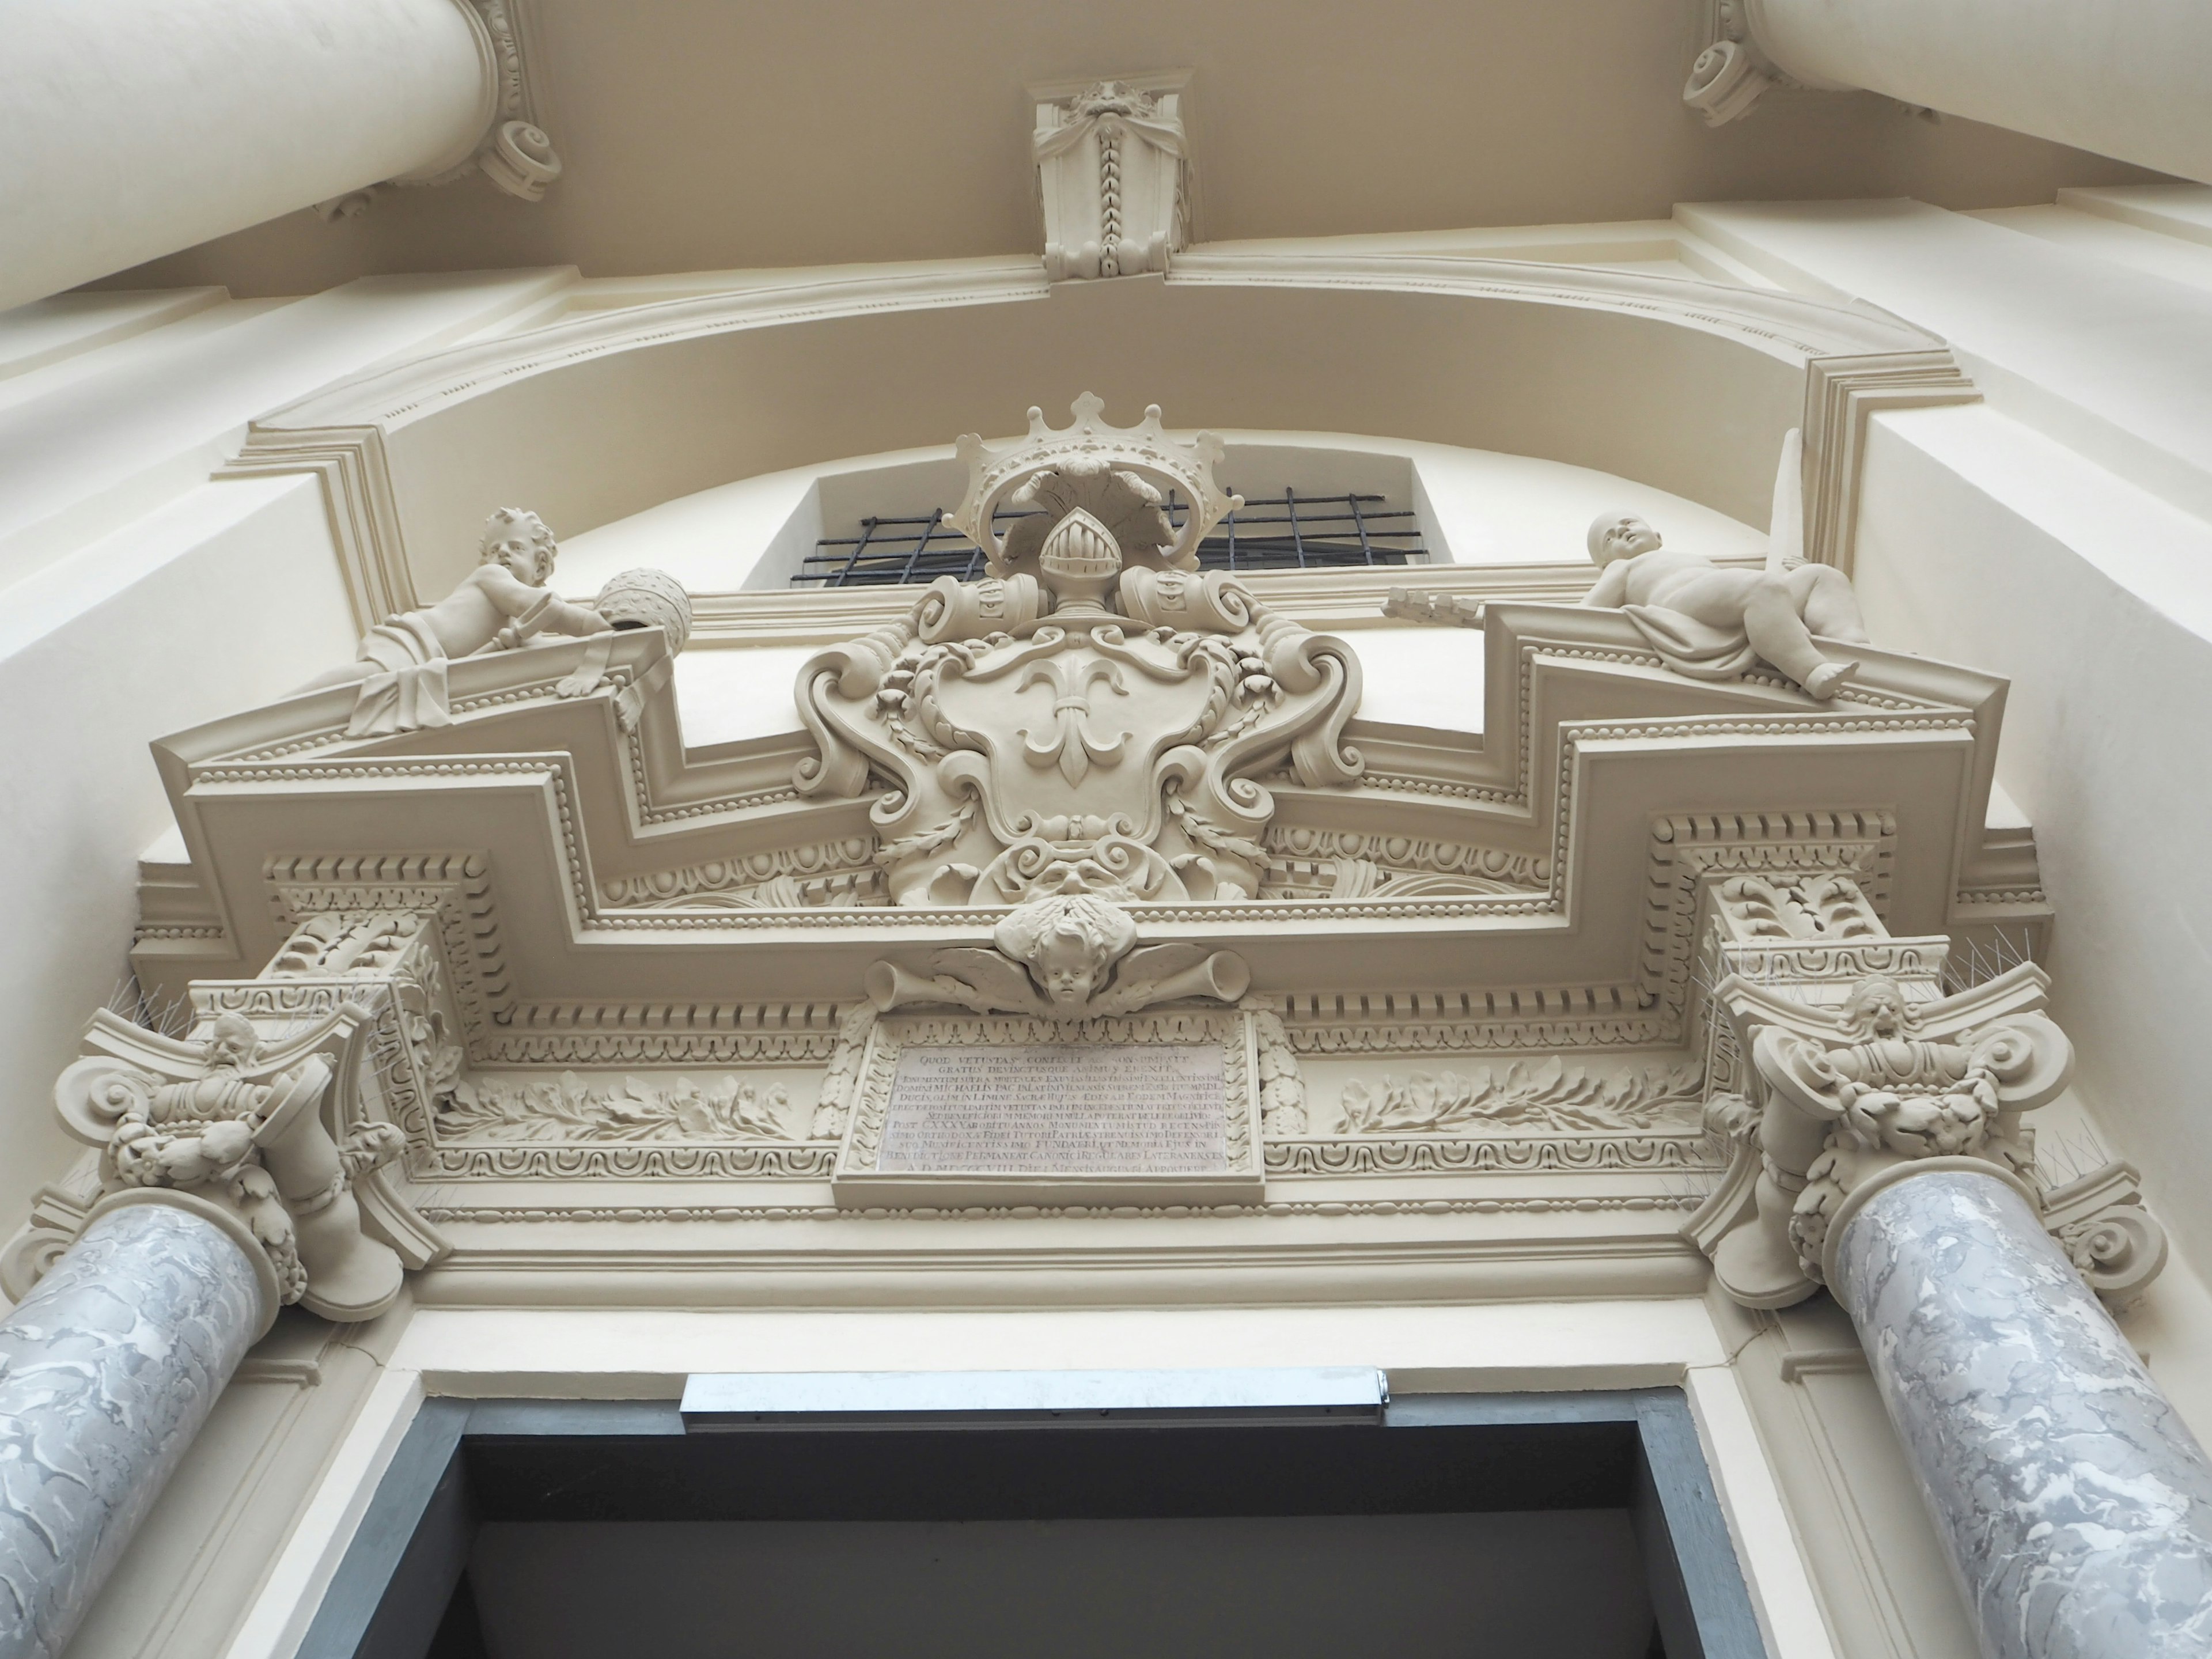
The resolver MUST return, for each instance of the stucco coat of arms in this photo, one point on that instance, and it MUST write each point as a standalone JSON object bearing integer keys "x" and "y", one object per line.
{"x": 1094, "y": 715}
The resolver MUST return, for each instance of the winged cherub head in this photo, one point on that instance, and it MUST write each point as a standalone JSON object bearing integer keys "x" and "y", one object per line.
{"x": 1069, "y": 944}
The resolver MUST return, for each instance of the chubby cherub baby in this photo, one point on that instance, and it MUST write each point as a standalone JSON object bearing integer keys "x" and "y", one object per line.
{"x": 501, "y": 605}
{"x": 1069, "y": 944}
{"x": 1710, "y": 622}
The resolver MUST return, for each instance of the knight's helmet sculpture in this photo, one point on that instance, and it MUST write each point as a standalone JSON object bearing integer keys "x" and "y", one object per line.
{"x": 1094, "y": 715}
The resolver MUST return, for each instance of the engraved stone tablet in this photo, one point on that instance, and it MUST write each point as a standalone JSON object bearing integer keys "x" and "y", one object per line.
{"x": 1158, "y": 1109}
{"x": 958, "y": 1109}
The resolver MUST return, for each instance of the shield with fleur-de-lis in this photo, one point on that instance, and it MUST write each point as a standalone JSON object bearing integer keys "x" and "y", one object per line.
{"x": 1073, "y": 728}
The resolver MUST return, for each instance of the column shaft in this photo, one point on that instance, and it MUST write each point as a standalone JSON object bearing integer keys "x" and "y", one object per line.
{"x": 134, "y": 128}
{"x": 2122, "y": 80}
{"x": 2076, "y": 1505}
{"x": 107, "y": 1370}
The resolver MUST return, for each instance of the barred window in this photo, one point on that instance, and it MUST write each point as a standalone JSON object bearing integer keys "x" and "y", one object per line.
{"x": 1289, "y": 531}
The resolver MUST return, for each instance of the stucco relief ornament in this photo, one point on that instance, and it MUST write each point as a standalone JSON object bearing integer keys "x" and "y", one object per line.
{"x": 1113, "y": 177}
{"x": 1845, "y": 1099}
{"x": 1712, "y": 622}
{"x": 1069, "y": 957}
{"x": 234, "y": 1126}
{"x": 503, "y": 604}
{"x": 1091, "y": 716}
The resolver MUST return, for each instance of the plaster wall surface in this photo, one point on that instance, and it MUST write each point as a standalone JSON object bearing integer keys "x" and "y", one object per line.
{"x": 1982, "y": 540}
{"x": 2105, "y": 356}
{"x": 224, "y": 596}
{"x": 91, "y": 440}
{"x": 596, "y": 419}
{"x": 699, "y": 138}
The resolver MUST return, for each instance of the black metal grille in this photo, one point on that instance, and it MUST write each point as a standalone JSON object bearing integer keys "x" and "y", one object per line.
{"x": 1289, "y": 531}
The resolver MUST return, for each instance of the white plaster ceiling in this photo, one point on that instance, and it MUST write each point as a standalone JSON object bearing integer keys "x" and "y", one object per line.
{"x": 706, "y": 135}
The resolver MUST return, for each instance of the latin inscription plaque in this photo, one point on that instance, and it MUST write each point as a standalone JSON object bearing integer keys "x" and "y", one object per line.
{"x": 952, "y": 1110}
{"x": 1093, "y": 1108}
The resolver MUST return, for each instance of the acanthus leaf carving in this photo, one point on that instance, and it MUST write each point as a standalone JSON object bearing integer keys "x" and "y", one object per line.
{"x": 236, "y": 1119}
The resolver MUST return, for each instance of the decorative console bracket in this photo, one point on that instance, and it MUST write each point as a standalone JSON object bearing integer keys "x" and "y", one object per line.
{"x": 1113, "y": 174}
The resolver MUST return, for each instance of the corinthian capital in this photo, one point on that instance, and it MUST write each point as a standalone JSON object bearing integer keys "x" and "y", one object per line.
{"x": 1843, "y": 1097}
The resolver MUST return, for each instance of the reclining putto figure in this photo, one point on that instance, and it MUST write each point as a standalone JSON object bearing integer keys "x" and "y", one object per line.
{"x": 501, "y": 605}
{"x": 1713, "y": 622}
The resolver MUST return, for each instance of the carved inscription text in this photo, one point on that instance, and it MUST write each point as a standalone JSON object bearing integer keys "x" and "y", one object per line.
{"x": 1153, "y": 1109}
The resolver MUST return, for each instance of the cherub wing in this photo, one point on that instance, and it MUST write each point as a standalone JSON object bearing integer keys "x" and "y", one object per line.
{"x": 1002, "y": 984}
{"x": 1143, "y": 969}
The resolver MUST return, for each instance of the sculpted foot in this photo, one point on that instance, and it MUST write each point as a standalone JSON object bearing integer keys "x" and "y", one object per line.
{"x": 1822, "y": 682}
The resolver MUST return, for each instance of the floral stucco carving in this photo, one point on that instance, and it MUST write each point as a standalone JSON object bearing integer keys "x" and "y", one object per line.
{"x": 570, "y": 1107}
{"x": 1094, "y": 717}
{"x": 236, "y": 1123}
{"x": 1556, "y": 1095}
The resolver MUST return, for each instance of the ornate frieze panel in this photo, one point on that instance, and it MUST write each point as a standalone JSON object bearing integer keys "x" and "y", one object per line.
{"x": 1064, "y": 817}
{"x": 834, "y": 874}
{"x": 1310, "y": 863}
{"x": 1522, "y": 1155}
{"x": 1417, "y": 1023}
{"x": 569, "y": 1126}
{"x": 495, "y": 1107}
{"x": 1555, "y": 1095}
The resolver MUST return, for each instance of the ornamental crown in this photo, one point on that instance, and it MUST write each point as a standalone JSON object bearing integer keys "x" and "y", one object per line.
{"x": 1125, "y": 468}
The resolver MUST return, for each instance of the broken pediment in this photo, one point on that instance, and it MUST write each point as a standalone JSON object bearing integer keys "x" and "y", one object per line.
{"x": 616, "y": 870}
{"x": 1097, "y": 801}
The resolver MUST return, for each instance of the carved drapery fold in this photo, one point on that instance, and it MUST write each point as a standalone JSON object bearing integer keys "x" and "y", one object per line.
{"x": 1113, "y": 177}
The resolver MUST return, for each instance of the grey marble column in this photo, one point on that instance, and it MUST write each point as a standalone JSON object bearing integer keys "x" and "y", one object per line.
{"x": 2076, "y": 1505}
{"x": 107, "y": 1370}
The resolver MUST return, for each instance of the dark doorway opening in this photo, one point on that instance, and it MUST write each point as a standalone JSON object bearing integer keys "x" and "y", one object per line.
{"x": 1574, "y": 1526}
